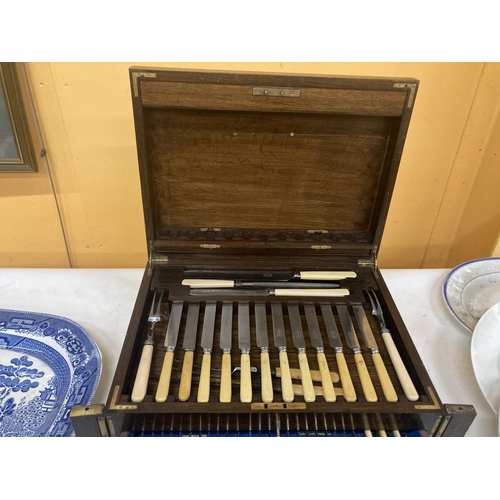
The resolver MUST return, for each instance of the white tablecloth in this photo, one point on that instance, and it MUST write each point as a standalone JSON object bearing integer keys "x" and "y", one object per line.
{"x": 101, "y": 301}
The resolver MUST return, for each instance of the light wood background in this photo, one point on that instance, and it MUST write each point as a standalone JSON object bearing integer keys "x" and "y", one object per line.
{"x": 445, "y": 208}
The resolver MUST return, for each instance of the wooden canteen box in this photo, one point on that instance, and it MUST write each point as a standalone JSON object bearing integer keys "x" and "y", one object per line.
{"x": 276, "y": 189}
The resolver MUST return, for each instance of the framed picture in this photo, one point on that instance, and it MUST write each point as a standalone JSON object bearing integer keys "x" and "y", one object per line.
{"x": 16, "y": 146}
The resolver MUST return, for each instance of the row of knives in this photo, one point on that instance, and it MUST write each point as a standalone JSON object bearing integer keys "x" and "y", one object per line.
{"x": 288, "y": 389}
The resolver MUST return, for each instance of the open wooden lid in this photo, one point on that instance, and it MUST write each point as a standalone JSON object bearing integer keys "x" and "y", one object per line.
{"x": 252, "y": 162}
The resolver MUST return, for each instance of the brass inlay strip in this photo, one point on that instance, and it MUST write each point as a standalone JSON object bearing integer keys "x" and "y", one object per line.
{"x": 135, "y": 76}
{"x": 278, "y": 406}
{"x": 101, "y": 422}
{"x": 434, "y": 406}
{"x": 114, "y": 406}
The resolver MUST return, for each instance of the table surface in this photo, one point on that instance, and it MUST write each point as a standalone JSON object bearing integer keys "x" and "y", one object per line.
{"x": 101, "y": 302}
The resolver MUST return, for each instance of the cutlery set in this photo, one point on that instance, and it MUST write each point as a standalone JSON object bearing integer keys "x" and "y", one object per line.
{"x": 294, "y": 330}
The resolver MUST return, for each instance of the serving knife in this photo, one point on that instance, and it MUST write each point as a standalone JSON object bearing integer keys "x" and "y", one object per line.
{"x": 208, "y": 283}
{"x": 335, "y": 341}
{"x": 352, "y": 342}
{"x": 262, "y": 339}
{"x": 367, "y": 334}
{"x": 189, "y": 345}
{"x": 317, "y": 343}
{"x": 272, "y": 275}
{"x": 300, "y": 344}
{"x": 280, "y": 343}
{"x": 262, "y": 292}
{"x": 401, "y": 371}
{"x": 244, "y": 345}
{"x": 170, "y": 343}
{"x": 207, "y": 339}
{"x": 141, "y": 379}
{"x": 226, "y": 332}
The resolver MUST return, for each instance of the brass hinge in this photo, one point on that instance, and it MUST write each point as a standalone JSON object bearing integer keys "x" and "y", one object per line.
{"x": 135, "y": 76}
{"x": 155, "y": 258}
{"x": 370, "y": 262}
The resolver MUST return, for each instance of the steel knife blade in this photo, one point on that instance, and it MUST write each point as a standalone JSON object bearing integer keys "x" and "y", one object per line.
{"x": 366, "y": 332}
{"x": 333, "y": 335}
{"x": 352, "y": 342}
{"x": 300, "y": 344}
{"x": 189, "y": 344}
{"x": 174, "y": 323}
{"x": 226, "y": 333}
{"x": 244, "y": 345}
{"x": 317, "y": 343}
{"x": 262, "y": 340}
{"x": 207, "y": 340}
{"x": 280, "y": 343}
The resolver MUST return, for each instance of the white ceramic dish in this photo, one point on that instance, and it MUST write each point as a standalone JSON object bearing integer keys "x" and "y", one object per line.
{"x": 471, "y": 289}
{"x": 48, "y": 364}
{"x": 485, "y": 355}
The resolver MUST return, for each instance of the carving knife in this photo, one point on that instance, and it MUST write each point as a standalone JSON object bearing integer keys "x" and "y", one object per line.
{"x": 141, "y": 379}
{"x": 280, "y": 343}
{"x": 300, "y": 344}
{"x": 170, "y": 343}
{"x": 244, "y": 345}
{"x": 262, "y": 339}
{"x": 189, "y": 344}
{"x": 335, "y": 341}
{"x": 226, "y": 333}
{"x": 207, "y": 283}
{"x": 352, "y": 342}
{"x": 271, "y": 275}
{"x": 278, "y": 292}
{"x": 317, "y": 343}
{"x": 207, "y": 339}
{"x": 367, "y": 334}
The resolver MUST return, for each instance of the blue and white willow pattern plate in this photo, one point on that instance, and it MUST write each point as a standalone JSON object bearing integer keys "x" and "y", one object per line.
{"x": 48, "y": 364}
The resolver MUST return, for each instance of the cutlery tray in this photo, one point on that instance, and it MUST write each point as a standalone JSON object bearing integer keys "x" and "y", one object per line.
{"x": 259, "y": 173}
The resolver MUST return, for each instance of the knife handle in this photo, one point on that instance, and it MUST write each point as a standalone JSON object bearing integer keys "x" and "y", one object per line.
{"x": 403, "y": 376}
{"x": 246, "y": 379}
{"x": 164, "y": 382}
{"x": 326, "y": 379}
{"x": 315, "y": 375}
{"x": 305, "y": 376}
{"x": 186, "y": 376}
{"x": 326, "y": 275}
{"x": 204, "y": 386}
{"x": 345, "y": 377}
{"x": 366, "y": 381}
{"x": 225, "y": 379}
{"x": 298, "y": 390}
{"x": 266, "y": 380}
{"x": 383, "y": 376}
{"x": 286, "y": 379}
{"x": 141, "y": 379}
{"x": 208, "y": 283}
{"x": 311, "y": 292}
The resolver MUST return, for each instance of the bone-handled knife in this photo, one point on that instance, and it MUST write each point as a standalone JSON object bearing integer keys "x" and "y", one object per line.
{"x": 335, "y": 341}
{"x": 141, "y": 379}
{"x": 262, "y": 339}
{"x": 189, "y": 345}
{"x": 317, "y": 343}
{"x": 367, "y": 334}
{"x": 208, "y": 283}
{"x": 300, "y": 345}
{"x": 263, "y": 292}
{"x": 280, "y": 343}
{"x": 226, "y": 333}
{"x": 244, "y": 345}
{"x": 207, "y": 340}
{"x": 270, "y": 275}
{"x": 352, "y": 342}
{"x": 170, "y": 343}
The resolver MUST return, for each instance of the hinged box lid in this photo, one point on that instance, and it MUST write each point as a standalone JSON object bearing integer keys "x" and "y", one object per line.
{"x": 267, "y": 163}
